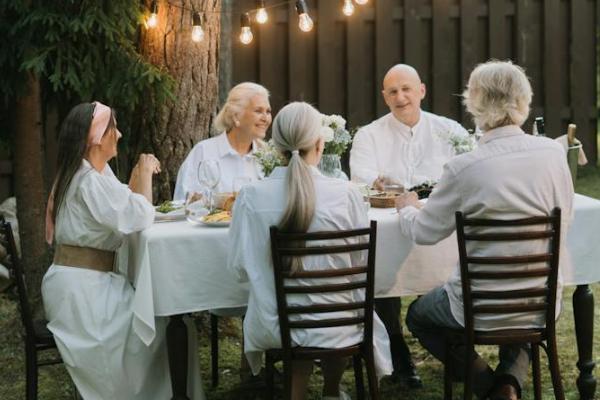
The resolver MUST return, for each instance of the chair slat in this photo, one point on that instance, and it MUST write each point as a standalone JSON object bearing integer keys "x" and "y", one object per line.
{"x": 306, "y": 251}
{"x": 283, "y": 237}
{"x": 333, "y": 287}
{"x": 534, "y": 258}
{"x": 325, "y": 273}
{"x": 326, "y": 323}
{"x": 510, "y": 294}
{"x": 325, "y": 308}
{"x": 508, "y": 236}
{"x": 514, "y": 222}
{"x": 509, "y": 308}
{"x": 532, "y": 273}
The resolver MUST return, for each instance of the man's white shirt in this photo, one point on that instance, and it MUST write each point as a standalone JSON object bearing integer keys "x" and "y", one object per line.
{"x": 409, "y": 156}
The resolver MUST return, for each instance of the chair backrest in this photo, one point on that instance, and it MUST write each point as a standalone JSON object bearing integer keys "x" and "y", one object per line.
{"x": 14, "y": 266}
{"x": 545, "y": 266}
{"x": 285, "y": 245}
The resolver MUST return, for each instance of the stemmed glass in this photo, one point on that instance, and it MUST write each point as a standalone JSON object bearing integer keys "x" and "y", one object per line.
{"x": 209, "y": 175}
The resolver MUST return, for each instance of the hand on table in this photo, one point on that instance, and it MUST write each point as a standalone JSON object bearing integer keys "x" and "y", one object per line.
{"x": 406, "y": 200}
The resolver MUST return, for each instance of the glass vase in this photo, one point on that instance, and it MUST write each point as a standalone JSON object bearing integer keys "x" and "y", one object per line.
{"x": 331, "y": 165}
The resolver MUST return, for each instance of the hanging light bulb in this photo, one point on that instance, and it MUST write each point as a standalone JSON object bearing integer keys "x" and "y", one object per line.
{"x": 361, "y": 2}
{"x": 153, "y": 18}
{"x": 348, "y": 8}
{"x": 304, "y": 21}
{"x": 197, "y": 31}
{"x": 261, "y": 13}
{"x": 246, "y": 33}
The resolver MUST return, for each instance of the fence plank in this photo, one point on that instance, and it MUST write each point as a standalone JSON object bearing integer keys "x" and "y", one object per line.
{"x": 388, "y": 44}
{"x": 551, "y": 67}
{"x": 583, "y": 71}
{"x": 302, "y": 56}
{"x": 497, "y": 29}
{"x": 245, "y": 57}
{"x": 273, "y": 39}
{"x": 468, "y": 45}
{"x": 330, "y": 95}
{"x": 441, "y": 84}
{"x": 360, "y": 54}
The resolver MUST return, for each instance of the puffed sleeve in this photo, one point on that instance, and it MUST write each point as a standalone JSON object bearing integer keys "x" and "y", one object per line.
{"x": 363, "y": 160}
{"x": 239, "y": 237}
{"x": 114, "y": 205}
{"x": 435, "y": 220}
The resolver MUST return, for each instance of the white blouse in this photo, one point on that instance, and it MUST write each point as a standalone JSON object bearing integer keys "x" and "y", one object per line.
{"x": 339, "y": 206}
{"x": 510, "y": 175}
{"x": 232, "y": 165}
{"x": 410, "y": 156}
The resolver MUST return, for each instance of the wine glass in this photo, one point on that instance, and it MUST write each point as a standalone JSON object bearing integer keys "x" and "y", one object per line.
{"x": 209, "y": 175}
{"x": 196, "y": 207}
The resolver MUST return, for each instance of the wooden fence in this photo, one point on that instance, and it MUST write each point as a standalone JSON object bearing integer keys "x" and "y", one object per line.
{"x": 339, "y": 65}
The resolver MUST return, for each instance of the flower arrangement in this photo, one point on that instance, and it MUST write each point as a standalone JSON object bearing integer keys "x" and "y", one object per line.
{"x": 337, "y": 138}
{"x": 268, "y": 157}
{"x": 459, "y": 142}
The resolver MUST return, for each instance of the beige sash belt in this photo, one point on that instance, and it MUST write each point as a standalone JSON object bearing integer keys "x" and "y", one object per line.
{"x": 84, "y": 257}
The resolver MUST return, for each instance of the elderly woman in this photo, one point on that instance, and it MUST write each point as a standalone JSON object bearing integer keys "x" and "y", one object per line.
{"x": 243, "y": 121}
{"x": 87, "y": 305}
{"x": 297, "y": 198}
{"x": 509, "y": 175}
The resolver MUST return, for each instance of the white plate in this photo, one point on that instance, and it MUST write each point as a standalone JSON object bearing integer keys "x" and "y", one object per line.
{"x": 216, "y": 223}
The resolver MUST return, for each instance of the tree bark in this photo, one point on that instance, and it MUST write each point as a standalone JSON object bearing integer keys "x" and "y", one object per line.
{"x": 171, "y": 129}
{"x": 30, "y": 189}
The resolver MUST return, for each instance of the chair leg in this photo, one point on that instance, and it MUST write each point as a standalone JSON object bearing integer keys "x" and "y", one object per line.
{"x": 31, "y": 371}
{"x": 559, "y": 393}
{"x": 371, "y": 375}
{"x": 287, "y": 378}
{"x": 447, "y": 374}
{"x": 358, "y": 377}
{"x": 214, "y": 349}
{"x": 468, "y": 391}
{"x": 535, "y": 365}
{"x": 269, "y": 375}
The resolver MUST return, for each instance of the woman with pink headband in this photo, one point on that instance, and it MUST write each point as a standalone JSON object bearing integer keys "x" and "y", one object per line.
{"x": 88, "y": 306}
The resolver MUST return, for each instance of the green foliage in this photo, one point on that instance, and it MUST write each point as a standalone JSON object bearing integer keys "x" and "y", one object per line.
{"x": 82, "y": 50}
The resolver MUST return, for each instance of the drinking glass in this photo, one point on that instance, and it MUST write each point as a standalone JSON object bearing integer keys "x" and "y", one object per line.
{"x": 209, "y": 175}
{"x": 240, "y": 182}
{"x": 196, "y": 206}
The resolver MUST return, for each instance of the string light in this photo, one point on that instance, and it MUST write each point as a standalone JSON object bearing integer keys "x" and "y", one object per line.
{"x": 361, "y": 2}
{"x": 246, "y": 33}
{"x": 197, "y": 31}
{"x": 261, "y": 13}
{"x": 304, "y": 22}
{"x": 348, "y": 8}
{"x": 153, "y": 19}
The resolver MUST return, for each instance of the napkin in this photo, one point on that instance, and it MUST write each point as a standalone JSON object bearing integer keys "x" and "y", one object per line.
{"x": 581, "y": 159}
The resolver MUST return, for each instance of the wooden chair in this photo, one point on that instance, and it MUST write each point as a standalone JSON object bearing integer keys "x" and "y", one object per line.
{"x": 37, "y": 337}
{"x": 520, "y": 300}
{"x": 280, "y": 248}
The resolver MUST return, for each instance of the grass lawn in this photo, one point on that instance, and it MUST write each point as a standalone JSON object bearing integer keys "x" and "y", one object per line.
{"x": 55, "y": 384}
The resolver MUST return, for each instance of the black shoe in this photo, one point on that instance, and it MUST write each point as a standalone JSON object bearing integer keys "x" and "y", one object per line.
{"x": 408, "y": 376}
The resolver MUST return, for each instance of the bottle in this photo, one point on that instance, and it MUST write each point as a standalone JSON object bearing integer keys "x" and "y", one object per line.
{"x": 539, "y": 126}
{"x": 571, "y": 134}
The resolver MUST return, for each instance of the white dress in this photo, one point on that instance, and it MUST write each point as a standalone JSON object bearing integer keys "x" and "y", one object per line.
{"x": 232, "y": 163}
{"x": 89, "y": 312}
{"x": 339, "y": 206}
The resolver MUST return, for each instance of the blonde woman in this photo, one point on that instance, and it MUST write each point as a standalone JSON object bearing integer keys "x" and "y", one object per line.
{"x": 243, "y": 121}
{"x": 296, "y": 198}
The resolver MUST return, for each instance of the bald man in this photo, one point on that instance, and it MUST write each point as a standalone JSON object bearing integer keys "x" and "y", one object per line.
{"x": 403, "y": 147}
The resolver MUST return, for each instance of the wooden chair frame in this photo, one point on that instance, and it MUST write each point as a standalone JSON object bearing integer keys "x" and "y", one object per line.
{"x": 544, "y": 337}
{"x": 281, "y": 248}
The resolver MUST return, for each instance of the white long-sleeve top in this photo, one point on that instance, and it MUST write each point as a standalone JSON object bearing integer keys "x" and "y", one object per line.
{"x": 339, "y": 206}
{"x": 232, "y": 165}
{"x": 510, "y": 175}
{"x": 409, "y": 156}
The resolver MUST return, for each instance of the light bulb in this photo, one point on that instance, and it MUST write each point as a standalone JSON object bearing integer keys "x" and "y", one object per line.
{"x": 361, "y": 2}
{"x": 348, "y": 8}
{"x": 305, "y": 23}
{"x": 262, "y": 16}
{"x": 152, "y": 21}
{"x": 197, "y": 33}
{"x": 246, "y": 35}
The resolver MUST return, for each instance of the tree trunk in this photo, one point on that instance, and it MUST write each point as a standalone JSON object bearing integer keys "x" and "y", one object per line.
{"x": 30, "y": 189}
{"x": 170, "y": 130}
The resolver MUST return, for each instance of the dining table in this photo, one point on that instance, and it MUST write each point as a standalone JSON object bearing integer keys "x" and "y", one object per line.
{"x": 178, "y": 268}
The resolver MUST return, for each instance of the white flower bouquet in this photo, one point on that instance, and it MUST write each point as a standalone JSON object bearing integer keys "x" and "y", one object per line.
{"x": 337, "y": 138}
{"x": 268, "y": 157}
{"x": 459, "y": 142}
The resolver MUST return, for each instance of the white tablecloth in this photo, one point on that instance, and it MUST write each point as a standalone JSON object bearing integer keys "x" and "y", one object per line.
{"x": 180, "y": 268}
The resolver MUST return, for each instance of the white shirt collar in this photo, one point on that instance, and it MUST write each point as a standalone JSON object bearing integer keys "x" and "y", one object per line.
{"x": 225, "y": 147}
{"x": 501, "y": 132}
{"x": 404, "y": 129}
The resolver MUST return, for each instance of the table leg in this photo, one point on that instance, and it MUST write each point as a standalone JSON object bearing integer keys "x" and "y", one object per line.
{"x": 583, "y": 310}
{"x": 177, "y": 347}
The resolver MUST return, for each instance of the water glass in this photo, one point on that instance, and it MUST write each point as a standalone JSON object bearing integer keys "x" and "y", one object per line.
{"x": 196, "y": 207}
{"x": 209, "y": 175}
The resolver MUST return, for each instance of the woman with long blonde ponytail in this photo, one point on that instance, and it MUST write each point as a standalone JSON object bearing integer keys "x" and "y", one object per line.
{"x": 298, "y": 198}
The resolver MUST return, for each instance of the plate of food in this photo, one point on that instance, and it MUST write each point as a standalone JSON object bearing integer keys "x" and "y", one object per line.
{"x": 170, "y": 210}
{"x": 217, "y": 218}
{"x": 423, "y": 190}
{"x": 383, "y": 199}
